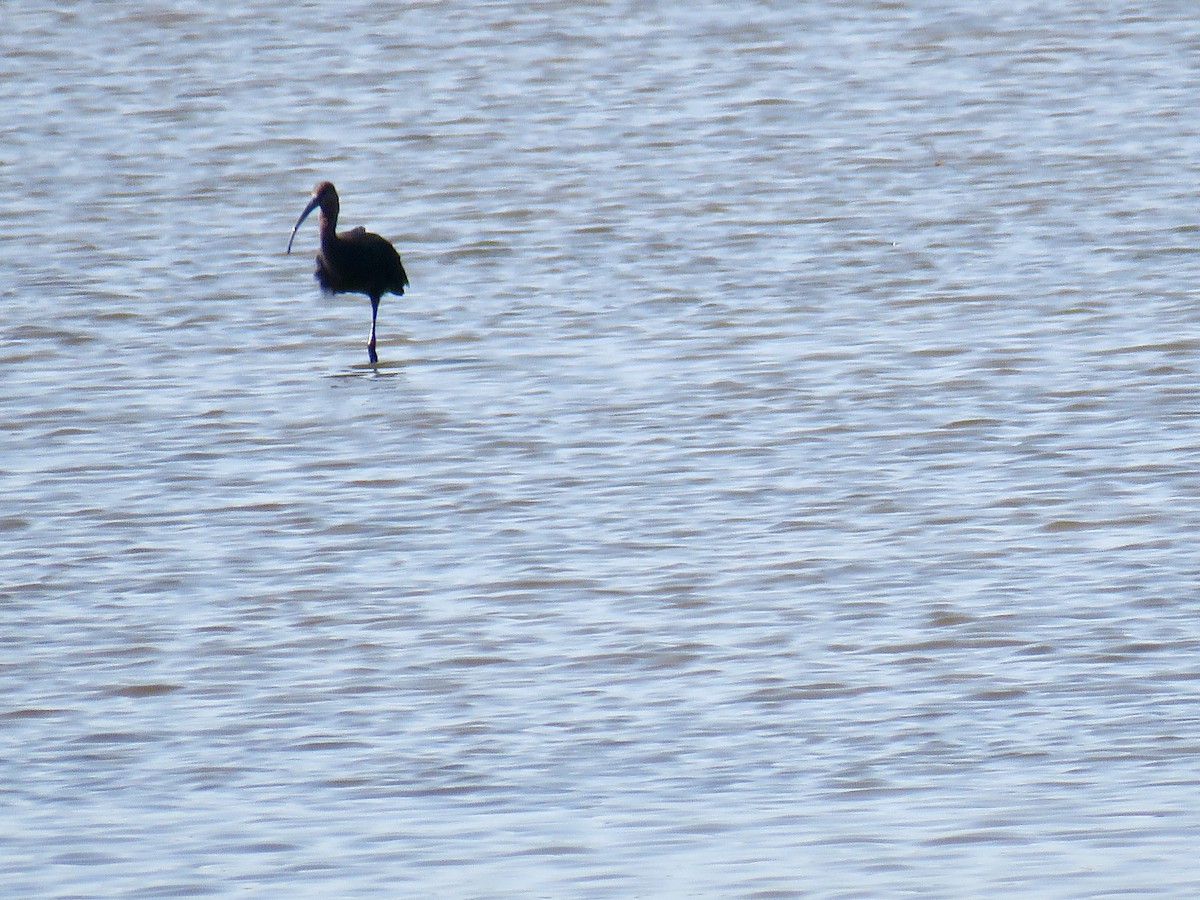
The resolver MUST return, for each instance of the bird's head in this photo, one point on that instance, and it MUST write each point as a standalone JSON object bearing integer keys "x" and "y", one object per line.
{"x": 325, "y": 196}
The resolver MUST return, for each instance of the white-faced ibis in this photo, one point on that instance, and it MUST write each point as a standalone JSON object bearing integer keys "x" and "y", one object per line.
{"x": 353, "y": 262}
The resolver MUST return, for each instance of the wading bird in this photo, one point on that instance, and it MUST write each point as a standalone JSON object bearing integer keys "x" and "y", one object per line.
{"x": 353, "y": 262}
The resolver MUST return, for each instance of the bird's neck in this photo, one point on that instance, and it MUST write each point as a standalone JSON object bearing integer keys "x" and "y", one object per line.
{"x": 327, "y": 226}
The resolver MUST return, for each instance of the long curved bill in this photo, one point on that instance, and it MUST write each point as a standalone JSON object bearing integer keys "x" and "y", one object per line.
{"x": 312, "y": 204}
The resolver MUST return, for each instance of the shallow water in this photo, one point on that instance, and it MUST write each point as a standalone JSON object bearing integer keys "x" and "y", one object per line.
{"x": 779, "y": 479}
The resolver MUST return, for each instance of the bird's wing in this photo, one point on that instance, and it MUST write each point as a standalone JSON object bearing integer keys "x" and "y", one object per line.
{"x": 363, "y": 251}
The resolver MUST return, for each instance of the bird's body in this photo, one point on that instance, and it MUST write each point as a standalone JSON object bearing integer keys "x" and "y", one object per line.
{"x": 355, "y": 261}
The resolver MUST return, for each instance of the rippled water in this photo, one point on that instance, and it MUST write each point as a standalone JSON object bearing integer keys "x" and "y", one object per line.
{"x": 780, "y": 478}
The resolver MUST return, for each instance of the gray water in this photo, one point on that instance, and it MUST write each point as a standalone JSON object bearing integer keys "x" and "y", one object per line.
{"x": 780, "y": 478}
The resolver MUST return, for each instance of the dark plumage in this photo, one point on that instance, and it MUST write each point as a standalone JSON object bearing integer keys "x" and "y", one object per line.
{"x": 355, "y": 261}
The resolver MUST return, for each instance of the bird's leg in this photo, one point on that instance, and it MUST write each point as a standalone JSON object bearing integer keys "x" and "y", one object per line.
{"x": 371, "y": 341}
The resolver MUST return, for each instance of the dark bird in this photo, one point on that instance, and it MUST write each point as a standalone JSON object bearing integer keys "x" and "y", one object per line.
{"x": 353, "y": 262}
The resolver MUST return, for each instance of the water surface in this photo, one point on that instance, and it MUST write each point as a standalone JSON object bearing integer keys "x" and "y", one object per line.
{"x": 780, "y": 478}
